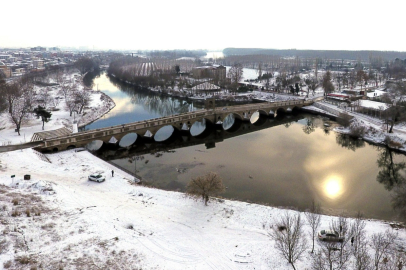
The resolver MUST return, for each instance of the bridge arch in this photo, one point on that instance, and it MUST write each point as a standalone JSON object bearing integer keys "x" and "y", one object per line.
{"x": 200, "y": 127}
{"x": 166, "y": 133}
{"x": 129, "y": 139}
{"x": 296, "y": 109}
{"x": 71, "y": 147}
{"x": 280, "y": 111}
{"x": 258, "y": 117}
{"x": 232, "y": 121}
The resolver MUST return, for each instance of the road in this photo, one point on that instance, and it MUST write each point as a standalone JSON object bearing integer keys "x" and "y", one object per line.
{"x": 8, "y": 148}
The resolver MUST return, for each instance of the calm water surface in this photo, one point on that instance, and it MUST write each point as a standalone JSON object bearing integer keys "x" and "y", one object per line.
{"x": 286, "y": 162}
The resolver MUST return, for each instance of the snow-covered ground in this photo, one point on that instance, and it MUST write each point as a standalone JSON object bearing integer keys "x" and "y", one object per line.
{"x": 73, "y": 223}
{"x": 99, "y": 105}
{"x": 375, "y": 128}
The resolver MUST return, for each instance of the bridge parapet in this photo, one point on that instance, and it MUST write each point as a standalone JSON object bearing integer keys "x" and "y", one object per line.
{"x": 153, "y": 125}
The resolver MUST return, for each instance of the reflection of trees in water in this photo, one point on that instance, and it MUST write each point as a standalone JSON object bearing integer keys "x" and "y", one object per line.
{"x": 348, "y": 142}
{"x": 88, "y": 80}
{"x": 309, "y": 127}
{"x": 153, "y": 103}
{"x": 399, "y": 199}
{"x": 288, "y": 124}
{"x": 392, "y": 175}
{"x": 228, "y": 121}
{"x": 391, "y": 172}
{"x": 160, "y": 105}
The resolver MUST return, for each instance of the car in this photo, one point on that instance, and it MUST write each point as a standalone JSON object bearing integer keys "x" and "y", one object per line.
{"x": 96, "y": 177}
{"x": 330, "y": 235}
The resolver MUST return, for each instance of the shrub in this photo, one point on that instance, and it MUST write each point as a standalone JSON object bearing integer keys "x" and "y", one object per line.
{"x": 23, "y": 259}
{"x": 392, "y": 143}
{"x": 344, "y": 119}
{"x": 15, "y": 201}
{"x": 15, "y": 213}
{"x": 357, "y": 131}
{"x": 7, "y": 264}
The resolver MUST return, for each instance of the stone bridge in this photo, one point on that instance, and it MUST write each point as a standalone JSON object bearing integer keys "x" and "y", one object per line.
{"x": 148, "y": 128}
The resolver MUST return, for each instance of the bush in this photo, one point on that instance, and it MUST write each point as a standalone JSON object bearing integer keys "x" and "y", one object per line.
{"x": 344, "y": 119}
{"x": 23, "y": 259}
{"x": 357, "y": 131}
{"x": 392, "y": 143}
{"x": 15, "y": 201}
{"x": 15, "y": 213}
{"x": 7, "y": 264}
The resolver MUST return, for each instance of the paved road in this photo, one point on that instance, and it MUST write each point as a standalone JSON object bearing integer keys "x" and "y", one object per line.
{"x": 20, "y": 146}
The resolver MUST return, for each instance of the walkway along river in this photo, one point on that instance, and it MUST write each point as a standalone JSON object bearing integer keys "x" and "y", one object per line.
{"x": 287, "y": 163}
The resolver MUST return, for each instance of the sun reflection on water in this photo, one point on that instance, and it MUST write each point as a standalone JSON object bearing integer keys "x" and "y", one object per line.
{"x": 333, "y": 187}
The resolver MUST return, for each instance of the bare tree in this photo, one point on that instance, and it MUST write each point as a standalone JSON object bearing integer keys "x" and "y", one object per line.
{"x": 342, "y": 226}
{"x": 290, "y": 239}
{"x": 3, "y": 95}
{"x": 19, "y": 112}
{"x": 359, "y": 242}
{"x": 327, "y": 84}
{"x": 330, "y": 257}
{"x": 10, "y": 93}
{"x": 85, "y": 64}
{"x": 396, "y": 110}
{"x": 71, "y": 103}
{"x": 313, "y": 219}
{"x": 65, "y": 89}
{"x": 205, "y": 186}
{"x": 44, "y": 96}
{"x": 382, "y": 245}
{"x": 259, "y": 70}
{"x": 82, "y": 99}
{"x": 235, "y": 75}
{"x": 363, "y": 260}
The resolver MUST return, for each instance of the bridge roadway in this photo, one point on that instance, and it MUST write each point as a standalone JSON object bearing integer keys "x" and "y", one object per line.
{"x": 148, "y": 128}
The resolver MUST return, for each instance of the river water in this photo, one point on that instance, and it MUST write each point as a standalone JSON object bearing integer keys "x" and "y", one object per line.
{"x": 283, "y": 162}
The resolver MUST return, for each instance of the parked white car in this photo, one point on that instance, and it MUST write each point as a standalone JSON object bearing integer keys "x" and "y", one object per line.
{"x": 97, "y": 178}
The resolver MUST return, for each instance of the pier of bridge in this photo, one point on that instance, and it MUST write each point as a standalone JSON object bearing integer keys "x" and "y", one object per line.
{"x": 148, "y": 128}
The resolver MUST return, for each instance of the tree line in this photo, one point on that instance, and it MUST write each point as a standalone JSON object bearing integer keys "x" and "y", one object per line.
{"x": 363, "y": 55}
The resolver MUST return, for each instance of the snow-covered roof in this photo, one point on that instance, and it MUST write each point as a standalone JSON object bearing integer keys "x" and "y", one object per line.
{"x": 186, "y": 58}
{"x": 206, "y": 86}
{"x": 376, "y": 93}
{"x": 372, "y": 105}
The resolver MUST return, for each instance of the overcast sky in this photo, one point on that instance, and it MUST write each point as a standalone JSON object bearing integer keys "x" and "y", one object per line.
{"x": 210, "y": 24}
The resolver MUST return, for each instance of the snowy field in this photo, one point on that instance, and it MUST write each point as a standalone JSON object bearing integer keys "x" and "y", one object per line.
{"x": 60, "y": 220}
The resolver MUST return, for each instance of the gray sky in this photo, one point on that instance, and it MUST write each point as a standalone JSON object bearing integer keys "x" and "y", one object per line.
{"x": 180, "y": 24}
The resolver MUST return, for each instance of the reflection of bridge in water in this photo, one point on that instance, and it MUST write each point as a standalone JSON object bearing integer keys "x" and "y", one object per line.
{"x": 209, "y": 138}
{"x": 183, "y": 121}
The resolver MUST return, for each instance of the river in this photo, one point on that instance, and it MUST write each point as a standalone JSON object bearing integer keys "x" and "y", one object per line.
{"x": 286, "y": 162}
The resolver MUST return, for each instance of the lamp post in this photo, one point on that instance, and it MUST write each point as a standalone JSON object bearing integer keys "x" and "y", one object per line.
{"x": 134, "y": 159}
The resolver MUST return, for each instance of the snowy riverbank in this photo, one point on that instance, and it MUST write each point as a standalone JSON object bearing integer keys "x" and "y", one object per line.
{"x": 84, "y": 224}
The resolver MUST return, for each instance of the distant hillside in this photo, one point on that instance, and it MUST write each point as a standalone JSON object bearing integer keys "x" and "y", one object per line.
{"x": 330, "y": 54}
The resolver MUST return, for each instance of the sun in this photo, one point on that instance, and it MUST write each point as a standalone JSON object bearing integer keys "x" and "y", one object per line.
{"x": 333, "y": 187}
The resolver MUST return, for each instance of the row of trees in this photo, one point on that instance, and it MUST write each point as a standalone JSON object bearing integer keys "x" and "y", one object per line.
{"x": 378, "y": 252}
